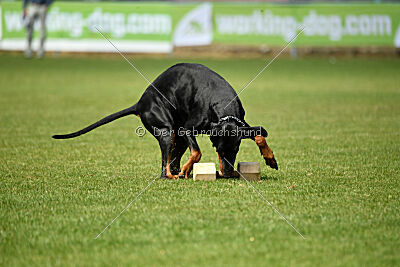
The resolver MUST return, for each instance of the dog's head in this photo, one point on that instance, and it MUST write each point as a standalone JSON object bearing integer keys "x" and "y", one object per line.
{"x": 226, "y": 138}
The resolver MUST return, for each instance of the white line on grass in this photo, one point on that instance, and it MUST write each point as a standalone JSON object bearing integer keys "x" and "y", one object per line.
{"x": 266, "y": 200}
{"x": 133, "y": 66}
{"x": 133, "y": 200}
{"x": 269, "y": 63}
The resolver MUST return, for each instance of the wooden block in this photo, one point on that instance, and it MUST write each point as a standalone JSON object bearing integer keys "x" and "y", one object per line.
{"x": 204, "y": 172}
{"x": 250, "y": 170}
{"x": 248, "y": 167}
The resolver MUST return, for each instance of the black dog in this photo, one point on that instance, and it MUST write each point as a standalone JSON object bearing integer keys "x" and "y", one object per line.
{"x": 188, "y": 98}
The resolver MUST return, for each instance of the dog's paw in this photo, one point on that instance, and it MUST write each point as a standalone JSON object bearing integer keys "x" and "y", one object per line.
{"x": 173, "y": 177}
{"x": 170, "y": 176}
{"x": 271, "y": 162}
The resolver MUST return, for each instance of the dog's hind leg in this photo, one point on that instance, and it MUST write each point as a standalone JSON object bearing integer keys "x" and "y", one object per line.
{"x": 195, "y": 156}
{"x": 179, "y": 148}
{"x": 166, "y": 141}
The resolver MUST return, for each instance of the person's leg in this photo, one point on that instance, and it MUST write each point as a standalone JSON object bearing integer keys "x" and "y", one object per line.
{"x": 42, "y": 18}
{"x": 30, "y": 21}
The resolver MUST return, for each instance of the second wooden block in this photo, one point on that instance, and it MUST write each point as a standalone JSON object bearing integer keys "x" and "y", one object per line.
{"x": 249, "y": 170}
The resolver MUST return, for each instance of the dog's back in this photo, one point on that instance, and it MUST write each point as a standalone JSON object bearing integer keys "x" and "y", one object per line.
{"x": 191, "y": 92}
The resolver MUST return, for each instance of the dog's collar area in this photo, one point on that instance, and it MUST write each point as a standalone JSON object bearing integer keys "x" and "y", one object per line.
{"x": 227, "y": 118}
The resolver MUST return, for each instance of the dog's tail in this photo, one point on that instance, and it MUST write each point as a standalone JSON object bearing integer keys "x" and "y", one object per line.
{"x": 109, "y": 118}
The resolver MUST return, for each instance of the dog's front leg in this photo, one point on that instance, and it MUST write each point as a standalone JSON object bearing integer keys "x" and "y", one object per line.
{"x": 266, "y": 152}
{"x": 195, "y": 156}
{"x": 221, "y": 166}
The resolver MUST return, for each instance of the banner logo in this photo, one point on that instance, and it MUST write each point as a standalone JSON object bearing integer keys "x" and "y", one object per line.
{"x": 195, "y": 28}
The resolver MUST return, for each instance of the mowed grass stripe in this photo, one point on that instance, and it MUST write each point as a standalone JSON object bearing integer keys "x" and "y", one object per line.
{"x": 334, "y": 128}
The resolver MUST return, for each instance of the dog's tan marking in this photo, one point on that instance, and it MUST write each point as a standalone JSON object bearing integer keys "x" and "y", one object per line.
{"x": 221, "y": 167}
{"x": 169, "y": 174}
{"x": 265, "y": 150}
{"x": 194, "y": 157}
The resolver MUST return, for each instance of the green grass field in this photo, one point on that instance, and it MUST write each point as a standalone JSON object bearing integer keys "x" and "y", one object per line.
{"x": 334, "y": 128}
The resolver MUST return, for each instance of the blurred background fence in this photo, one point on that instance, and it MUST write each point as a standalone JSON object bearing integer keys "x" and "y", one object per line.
{"x": 161, "y": 27}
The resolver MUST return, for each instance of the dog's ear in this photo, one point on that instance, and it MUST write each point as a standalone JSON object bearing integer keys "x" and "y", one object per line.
{"x": 252, "y": 132}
